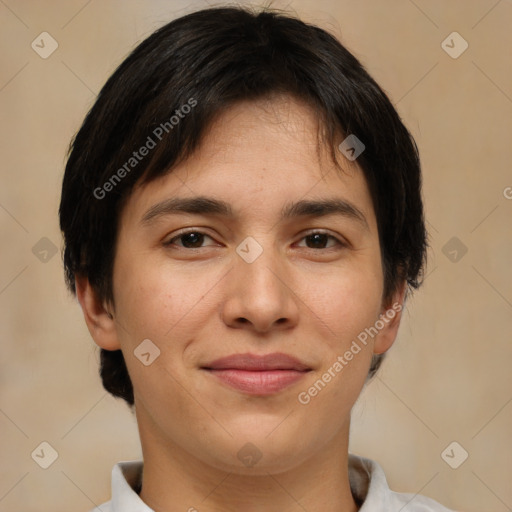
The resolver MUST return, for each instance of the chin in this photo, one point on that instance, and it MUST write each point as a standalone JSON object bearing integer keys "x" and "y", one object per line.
{"x": 259, "y": 451}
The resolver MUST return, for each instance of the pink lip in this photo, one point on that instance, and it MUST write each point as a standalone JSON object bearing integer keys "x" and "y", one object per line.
{"x": 258, "y": 375}
{"x": 263, "y": 382}
{"x": 252, "y": 362}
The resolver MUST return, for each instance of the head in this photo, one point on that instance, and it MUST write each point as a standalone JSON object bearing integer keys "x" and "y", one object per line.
{"x": 247, "y": 108}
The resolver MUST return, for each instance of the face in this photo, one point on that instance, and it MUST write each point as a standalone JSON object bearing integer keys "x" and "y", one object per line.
{"x": 202, "y": 284}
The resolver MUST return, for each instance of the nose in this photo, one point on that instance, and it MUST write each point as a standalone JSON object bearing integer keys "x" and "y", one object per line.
{"x": 261, "y": 296}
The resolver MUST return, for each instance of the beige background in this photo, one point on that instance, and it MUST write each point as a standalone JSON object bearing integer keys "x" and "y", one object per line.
{"x": 448, "y": 377}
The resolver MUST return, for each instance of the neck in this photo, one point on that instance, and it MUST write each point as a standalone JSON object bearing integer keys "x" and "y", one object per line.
{"x": 174, "y": 480}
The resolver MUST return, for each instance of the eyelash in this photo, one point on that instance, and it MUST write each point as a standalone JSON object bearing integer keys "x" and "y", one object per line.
{"x": 170, "y": 243}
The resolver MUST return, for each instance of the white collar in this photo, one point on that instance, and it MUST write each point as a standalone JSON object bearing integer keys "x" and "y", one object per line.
{"x": 367, "y": 481}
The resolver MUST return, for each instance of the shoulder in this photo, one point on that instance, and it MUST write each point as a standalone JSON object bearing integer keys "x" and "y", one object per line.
{"x": 415, "y": 503}
{"x": 126, "y": 483}
{"x": 369, "y": 486}
{"x": 106, "y": 507}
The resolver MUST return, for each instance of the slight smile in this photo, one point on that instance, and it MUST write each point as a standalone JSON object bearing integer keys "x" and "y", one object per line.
{"x": 258, "y": 375}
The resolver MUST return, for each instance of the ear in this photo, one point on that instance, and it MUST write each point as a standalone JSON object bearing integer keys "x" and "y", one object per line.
{"x": 390, "y": 316}
{"x": 99, "y": 320}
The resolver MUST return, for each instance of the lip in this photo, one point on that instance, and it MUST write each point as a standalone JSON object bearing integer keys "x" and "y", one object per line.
{"x": 258, "y": 375}
{"x": 266, "y": 382}
{"x": 253, "y": 362}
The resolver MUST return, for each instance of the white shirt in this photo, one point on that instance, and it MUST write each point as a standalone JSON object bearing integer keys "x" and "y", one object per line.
{"x": 367, "y": 482}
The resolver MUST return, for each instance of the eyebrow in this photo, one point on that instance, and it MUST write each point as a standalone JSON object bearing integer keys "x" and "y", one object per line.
{"x": 202, "y": 205}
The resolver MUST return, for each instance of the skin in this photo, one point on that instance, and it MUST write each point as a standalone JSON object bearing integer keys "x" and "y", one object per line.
{"x": 200, "y": 301}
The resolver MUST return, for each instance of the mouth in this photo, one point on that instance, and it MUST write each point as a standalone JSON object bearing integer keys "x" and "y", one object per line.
{"x": 258, "y": 375}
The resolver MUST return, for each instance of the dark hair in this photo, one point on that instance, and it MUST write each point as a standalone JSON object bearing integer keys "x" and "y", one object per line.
{"x": 209, "y": 60}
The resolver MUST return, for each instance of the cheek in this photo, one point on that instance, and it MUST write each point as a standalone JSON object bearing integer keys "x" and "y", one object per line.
{"x": 170, "y": 307}
{"x": 346, "y": 301}
{"x": 351, "y": 305}
{"x": 158, "y": 305}
{"x": 152, "y": 297}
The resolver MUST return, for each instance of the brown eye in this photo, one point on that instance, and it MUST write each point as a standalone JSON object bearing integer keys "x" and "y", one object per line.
{"x": 189, "y": 240}
{"x": 319, "y": 240}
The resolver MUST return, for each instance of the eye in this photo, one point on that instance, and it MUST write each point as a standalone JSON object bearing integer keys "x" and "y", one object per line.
{"x": 190, "y": 239}
{"x": 193, "y": 239}
{"x": 318, "y": 239}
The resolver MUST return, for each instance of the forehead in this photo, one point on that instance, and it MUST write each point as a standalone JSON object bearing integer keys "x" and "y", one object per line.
{"x": 259, "y": 156}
